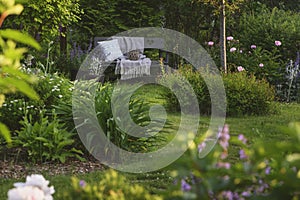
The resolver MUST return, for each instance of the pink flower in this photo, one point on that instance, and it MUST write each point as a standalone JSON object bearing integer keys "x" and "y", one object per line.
{"x": 253, "y": 46}
{"x": 229, "y": 38}
{"x": 224, "y": 155}
{"x": 210, "y": 43}
{"x": 233, "y": 49}
{"x": 242, "y": 138}
{"x": 261, "y": 65}
{"x": 224, "y": 137}
{"x": 241, "y": 51}
{"x": 278, "y": 43}
{"x": 201, "y": 147}
{"x": 240, "y": 68}
{"x": 225, "y": 165}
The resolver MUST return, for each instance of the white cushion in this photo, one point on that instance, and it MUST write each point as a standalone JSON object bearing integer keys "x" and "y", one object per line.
{"x": 110, "y": 49}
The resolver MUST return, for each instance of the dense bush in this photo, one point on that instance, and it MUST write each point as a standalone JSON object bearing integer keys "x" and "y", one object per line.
{"x": 263, "y": 26}
{"x": 52, "y": 90}
{"x": 245, "y": 94}
{"x": 263, "y": 63}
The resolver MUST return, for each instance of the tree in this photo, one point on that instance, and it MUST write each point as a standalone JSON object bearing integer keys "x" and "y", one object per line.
{"x": 223, "y": 8}
{"x": 46, "y": 20}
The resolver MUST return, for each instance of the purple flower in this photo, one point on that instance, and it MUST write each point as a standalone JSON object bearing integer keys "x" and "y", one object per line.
{"x": 268, "y": 170}
{"x": 227, "y": 195}
{"x": 201, "y": 146}
{"x": 240, "y": 68}
{"x": 278, "y": 43}
{"x": 210, "y": 43}
{"x": 246, "y": 194}
{"x": 243, "y": 154}
{"x": 261, "y": 65}
{"x": 185, "y": 186}
{"x": 224, "y": 137}
{"x": 82, "y": 183}
{"x": 233, "y": 49}
{"x": 242, "y": 138}
{"x": 253, "y": 46}
{"x": 229, "y": 38}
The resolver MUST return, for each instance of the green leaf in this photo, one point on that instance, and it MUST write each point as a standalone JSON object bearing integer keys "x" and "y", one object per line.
{"x": 5, "y": 133}
{"x": 19, "y": 37}
{"x": 14, "y": 10}
{"x": 22, "y": 86}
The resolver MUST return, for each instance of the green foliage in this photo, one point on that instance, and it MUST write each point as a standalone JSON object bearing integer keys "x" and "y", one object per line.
{"x": 246, "y": 95}
{"x": 43, "y": 19}
{"x": 12, "y": 79}
{"x": 52, "y": 90}
{"x": 263, "y": 26}
{"x": 265, "y": 170}
{"x": 113, "y": 186}
{"x": 45, "y": 139}
{"x": 101, "y": 105}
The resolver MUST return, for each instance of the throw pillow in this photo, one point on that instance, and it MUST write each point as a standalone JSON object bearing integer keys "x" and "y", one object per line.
{"x": 110, "y": 49}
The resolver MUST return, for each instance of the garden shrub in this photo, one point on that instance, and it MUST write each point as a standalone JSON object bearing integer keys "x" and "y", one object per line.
{"x": 52, "y": 90}
{"x": 112, "y": 186}
{"x": 245, "y": 94}
{"x": 253, "y": 58}
{"x": 45, "y": 139}
{"x": 263, "y": 26}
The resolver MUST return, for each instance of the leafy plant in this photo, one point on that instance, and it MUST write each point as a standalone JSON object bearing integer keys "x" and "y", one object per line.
{"x": 100, "y": 104}
{"x": 52, "y": 90}
{"x": 263, "y": 26}
{"x": 264, "y": 170}
{"x": 112, "y": 186}
{"x": 46, "y": 140}
{"x": 245, "y": 95}
{"x": 248, "y": 95}
{"x": 12, "y": 79}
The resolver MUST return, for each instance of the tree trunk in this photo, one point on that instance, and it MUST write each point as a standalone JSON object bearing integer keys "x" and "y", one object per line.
{"x": 63, "y": 41}
{"x": 223, "y": 37}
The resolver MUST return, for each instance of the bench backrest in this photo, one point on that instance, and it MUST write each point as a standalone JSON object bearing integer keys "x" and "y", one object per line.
{"x": 149, "y": 43}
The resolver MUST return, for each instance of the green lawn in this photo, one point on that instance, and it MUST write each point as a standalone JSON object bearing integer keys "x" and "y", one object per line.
{"x": 253, "y": 127}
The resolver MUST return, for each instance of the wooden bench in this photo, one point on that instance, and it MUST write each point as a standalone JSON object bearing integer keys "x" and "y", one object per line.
{"x": 109, "y": 73}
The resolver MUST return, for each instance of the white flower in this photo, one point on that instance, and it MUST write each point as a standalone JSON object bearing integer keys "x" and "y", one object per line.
{"x": 25, "y": 193}
{"x": 37, "y": 180}
{"x": 60, "y": 96}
